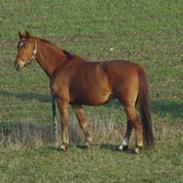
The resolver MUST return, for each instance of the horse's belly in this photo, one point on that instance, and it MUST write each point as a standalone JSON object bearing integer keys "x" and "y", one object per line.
{"x": 92, "y": 98}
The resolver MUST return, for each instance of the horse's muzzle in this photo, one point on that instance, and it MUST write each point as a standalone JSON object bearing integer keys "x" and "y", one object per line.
{"x": 17, "y": 66}
{"x": 21, "y": 65}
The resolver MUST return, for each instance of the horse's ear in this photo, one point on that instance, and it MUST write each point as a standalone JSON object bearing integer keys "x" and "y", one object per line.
{"x": 20, "y": 35}
{"x": 24, "y": 36}
{"x": 27, "y": 34}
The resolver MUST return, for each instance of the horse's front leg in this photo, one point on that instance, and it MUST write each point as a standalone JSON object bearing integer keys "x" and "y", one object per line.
{"x": 83, "y": 124}
{"x": 63, "y": 109}
{"x": 54, "y": 120}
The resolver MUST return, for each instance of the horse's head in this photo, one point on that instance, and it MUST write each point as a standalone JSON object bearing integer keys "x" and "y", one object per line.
{"x": 27, "y": 50}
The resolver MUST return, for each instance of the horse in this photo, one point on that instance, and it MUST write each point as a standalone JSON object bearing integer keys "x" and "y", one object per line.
{"x": 77, "y": 82}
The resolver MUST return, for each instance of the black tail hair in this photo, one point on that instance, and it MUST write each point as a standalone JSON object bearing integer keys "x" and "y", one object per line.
{"x": 145, "y": 111}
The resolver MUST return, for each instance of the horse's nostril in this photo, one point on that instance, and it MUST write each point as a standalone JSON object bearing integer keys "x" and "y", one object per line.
{"x": 17, "y": 66}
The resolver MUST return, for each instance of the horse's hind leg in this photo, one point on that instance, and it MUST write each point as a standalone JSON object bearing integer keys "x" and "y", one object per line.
{"x": 133, "y": 121}
{"x": 126, "y": 138}
{"x": 83, "y": 124}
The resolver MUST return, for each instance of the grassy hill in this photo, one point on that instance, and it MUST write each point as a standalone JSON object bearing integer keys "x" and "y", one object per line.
{"x": 149, "y": 33}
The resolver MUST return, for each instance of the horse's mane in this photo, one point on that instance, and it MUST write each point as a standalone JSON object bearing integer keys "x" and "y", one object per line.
{"x": 69, "y": 55}
{"x": 46, "y": 41}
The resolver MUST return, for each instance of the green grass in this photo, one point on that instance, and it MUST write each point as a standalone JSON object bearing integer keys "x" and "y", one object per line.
{"x": 100, "y": 164}
{"x": 147, "y": 32}
{"x": 97, "y": 165}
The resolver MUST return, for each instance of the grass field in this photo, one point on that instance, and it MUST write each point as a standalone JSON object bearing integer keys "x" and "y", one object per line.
{"x": 147, "y": 32}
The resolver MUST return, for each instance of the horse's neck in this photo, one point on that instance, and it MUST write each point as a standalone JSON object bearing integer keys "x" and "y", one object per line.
{"x": 49, "y": 57}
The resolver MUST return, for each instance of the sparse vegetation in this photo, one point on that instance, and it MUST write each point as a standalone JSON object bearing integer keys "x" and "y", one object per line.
{"x": 147, "y": 32}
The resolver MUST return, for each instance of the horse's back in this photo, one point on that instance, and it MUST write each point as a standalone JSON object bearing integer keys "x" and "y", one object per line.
{"x": 121, "y": 67}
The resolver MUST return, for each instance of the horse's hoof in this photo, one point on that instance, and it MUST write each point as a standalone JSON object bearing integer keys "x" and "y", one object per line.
{"x": 88, "y": 145}
{"x": 122, "y": 148}
{"x": 137, "y": 150}
{"x": 64, "y": 147}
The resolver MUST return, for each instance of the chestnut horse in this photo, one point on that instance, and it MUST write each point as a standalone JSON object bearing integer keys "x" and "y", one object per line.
{"x": 75, "y": 81}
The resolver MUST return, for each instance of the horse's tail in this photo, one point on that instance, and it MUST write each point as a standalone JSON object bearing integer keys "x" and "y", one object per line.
{"x": 145, "y": 111}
